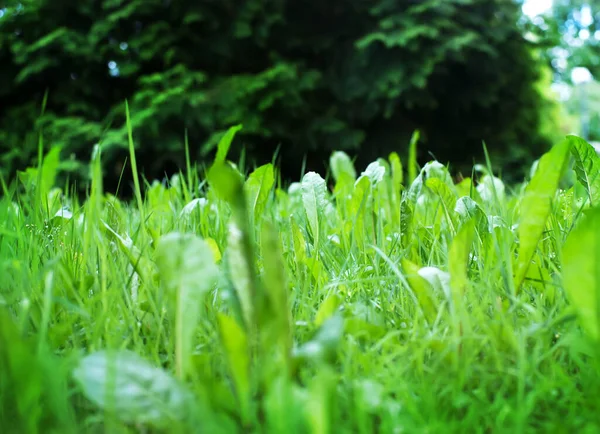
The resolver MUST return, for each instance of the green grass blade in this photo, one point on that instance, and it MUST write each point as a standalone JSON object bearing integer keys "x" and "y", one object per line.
{"x": 225, "y": 143}
{"x": 413, "y": 166}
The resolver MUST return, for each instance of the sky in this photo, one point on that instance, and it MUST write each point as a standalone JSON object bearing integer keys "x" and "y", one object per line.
{"x": 536, "y": 7}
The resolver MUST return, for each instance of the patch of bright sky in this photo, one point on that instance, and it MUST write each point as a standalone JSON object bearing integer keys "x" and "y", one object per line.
{"x": 536, "y": 7}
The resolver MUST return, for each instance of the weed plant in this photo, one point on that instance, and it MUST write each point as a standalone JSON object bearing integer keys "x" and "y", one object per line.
{"x": 396, "y": 301}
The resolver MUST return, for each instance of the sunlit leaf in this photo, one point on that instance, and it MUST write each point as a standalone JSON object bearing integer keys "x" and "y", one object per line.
{"x": 587, "y": 167}
{"x": 446, "y": 196}
{"x": 228, "y": 184}
{"x": 375, "y": 171}
{"x": 240, "y": 273}
{"x": 342, "y": 167}
{"x": 314, "y": 198}
{"x": 225, "y": 143}
{"x": 397, "y": 173}
{"x": 327, "y": 308}
{"x": 421, "y": 288}
{"x": 187, "y": 270}
{"x": 458, "y": 259}
{"x": 258, "y": 187}
{"x": 581, "y": 271}
{"x": 536, "y": 204}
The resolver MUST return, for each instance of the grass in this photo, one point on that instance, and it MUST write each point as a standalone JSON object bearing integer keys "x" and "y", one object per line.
{"x": 228, "y": 303}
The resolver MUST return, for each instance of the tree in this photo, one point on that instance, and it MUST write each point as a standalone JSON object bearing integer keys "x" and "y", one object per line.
{"x": 570, "y": 32}
{"x": 308, "y": 77}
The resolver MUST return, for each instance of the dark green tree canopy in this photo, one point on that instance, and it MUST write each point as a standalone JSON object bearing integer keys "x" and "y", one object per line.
{"x": 308, "y": 77}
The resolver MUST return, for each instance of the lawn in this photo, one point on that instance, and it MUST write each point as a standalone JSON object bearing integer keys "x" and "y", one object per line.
{"x": 389, "y": 300}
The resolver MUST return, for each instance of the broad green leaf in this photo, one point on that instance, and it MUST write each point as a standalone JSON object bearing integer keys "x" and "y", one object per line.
{"x": 225, "y": 143}
{"x": 363, "y": 320}
{"x": 299, "y": 243}
{"x": 536, "y": 204}
{"x": 375, "y": 171}
{"x": 44, "y": 176}
{"x": 360, "y": 203}
{"x": 458, "y": 260}
{"x": 214, "y": 247}
{"x": 465, "y": 187}
{"x": 468, "y": 210}
{"x": 235, "y": 343}
{"x": 581, "y": 271}
{"x": 228, "y": 184}
{"x": 258, "y": 187}
{"x": 421, "y": 289}
{"x": 446, "y": 195}
{"x": 342, "y": 166}
{"x": 491, "y": 189}
{"x": 438, "y": 280}
{"x": 314, "y": 198}
{"x": 587, "y": 167}
{"x": 135, "y": 391}
{"x": 275, "y": 282}
{"x": 327, "y": 308}
{"x": 240, "y": 273}
{"x": 323, "y": 347}
{"x": 397, "y": 174}
{"x": 187, "y": 270}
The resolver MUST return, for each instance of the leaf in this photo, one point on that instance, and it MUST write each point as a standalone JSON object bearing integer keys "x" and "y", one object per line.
{"x": 275, "y": 283}
{"x": 341, "y": 166}
{"x": 375, "y": 171}
{"x": 421, "y": 288}
{"x": 581, "y": 273}
{"x": 327, "y": 308}
{"x": 359, "y": 205}
{"x": 491, "y": 189}
{"x": 257, "y": 188}
{"x": 324, "y": 345}
{"x": 241, "y": 273}
{"x": 131, "y": 388}
{"x": 225, "y": 143}
{"x": 187, "y": 270}
{"x": 228, "y": 184}
{"x": 587, "y": 167}
{"x": 536, "y": 204}
{"x": 458, "y": 260}
{"x": 446, "y": 196}
{"x": 397, "y": 174}
{"x": 314, "y": 198}
{"x": 468, "y": 210}
{"x": 236, "y": 348}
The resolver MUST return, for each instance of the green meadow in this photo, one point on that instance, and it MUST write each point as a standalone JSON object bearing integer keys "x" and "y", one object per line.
{"x": 389, "y": 298}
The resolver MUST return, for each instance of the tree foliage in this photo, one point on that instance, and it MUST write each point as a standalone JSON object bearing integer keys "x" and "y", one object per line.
{"x": 307, "y": 77}
{"x": 571, "y": 33}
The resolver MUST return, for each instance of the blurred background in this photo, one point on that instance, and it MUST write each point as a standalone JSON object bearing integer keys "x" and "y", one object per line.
{"x": 304, "y": 78}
